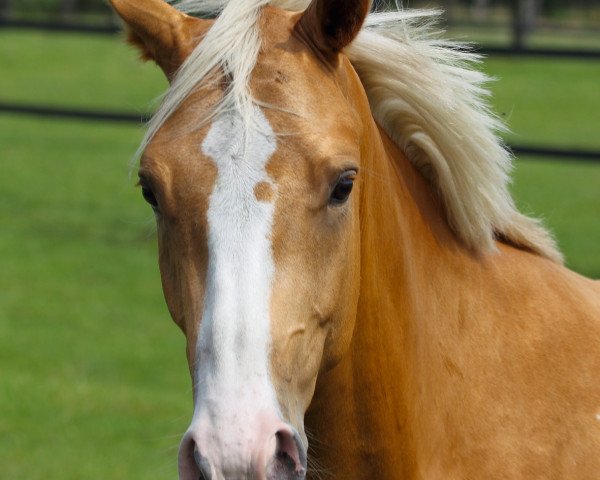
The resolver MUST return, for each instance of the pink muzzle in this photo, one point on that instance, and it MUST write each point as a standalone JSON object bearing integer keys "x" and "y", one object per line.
{"x": 264, "y": 448}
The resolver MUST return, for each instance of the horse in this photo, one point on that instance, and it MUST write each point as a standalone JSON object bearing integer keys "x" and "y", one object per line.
{"x": 360, "y": 297}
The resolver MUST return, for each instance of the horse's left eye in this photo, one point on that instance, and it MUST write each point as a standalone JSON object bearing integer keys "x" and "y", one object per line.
{"x": 150, "y": 198}
{"x": 343, "y": 188}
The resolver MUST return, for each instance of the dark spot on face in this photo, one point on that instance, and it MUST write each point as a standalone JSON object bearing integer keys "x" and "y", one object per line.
{"x": 263, "y": 191}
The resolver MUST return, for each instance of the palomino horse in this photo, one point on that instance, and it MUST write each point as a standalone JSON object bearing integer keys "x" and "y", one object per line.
{"x": 337, "y": 243}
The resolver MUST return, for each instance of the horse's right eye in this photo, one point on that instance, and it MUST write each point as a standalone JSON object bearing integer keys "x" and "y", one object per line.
{"x": 342, "y": 189}
{"x": 150, "y": 197}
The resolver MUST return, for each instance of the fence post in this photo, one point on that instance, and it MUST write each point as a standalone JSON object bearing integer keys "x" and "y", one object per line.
{"x": 481, "y": 10}
{"x": 450, "y": 12}
{"x": 524, "y": 13}
{"x": 5, "y": 9}
{"x": 67, "y": 9}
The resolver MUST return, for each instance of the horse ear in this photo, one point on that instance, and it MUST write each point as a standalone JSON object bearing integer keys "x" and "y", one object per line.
{"x": 330, "y": 25}
{"x": 161, "y": 32}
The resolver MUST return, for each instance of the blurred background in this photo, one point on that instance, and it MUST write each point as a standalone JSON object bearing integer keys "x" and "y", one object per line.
{"x": 93, "y": 376}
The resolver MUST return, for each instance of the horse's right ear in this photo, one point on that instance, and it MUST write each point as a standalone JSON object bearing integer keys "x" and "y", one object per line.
{"x": 161, "y": 32}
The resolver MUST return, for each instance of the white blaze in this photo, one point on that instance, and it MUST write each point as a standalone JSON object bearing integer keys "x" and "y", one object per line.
{"x": 232, "y": 370}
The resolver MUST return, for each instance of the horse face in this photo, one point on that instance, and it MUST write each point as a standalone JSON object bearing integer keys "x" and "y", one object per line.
{"x": 258, "y": 228}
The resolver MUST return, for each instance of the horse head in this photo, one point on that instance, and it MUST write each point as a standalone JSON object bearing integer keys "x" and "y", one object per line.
{"x": 252, "y": 169}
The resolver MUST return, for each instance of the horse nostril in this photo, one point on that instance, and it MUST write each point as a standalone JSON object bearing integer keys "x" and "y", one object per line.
{"x": 203, "y": 465}
{"x": 289, "y": 460}
{"x": 192, "y": 464}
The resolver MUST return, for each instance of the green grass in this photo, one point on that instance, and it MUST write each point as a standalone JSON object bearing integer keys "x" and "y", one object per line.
{"x": 76, "y": 70}
{"x": 566, "y": 195}
{"x": 547, "y": 101}
{"x": 94, "y": 381}
{"x": 555, "y": 103}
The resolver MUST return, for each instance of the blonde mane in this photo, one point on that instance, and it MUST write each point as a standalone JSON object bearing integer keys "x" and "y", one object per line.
{"x": 422, "y": 90}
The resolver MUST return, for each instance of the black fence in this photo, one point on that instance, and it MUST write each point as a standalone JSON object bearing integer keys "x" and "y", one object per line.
{"x": 103, "y": 29}
{"x": 140, "y": 118}
{"x": 111, "y": 29}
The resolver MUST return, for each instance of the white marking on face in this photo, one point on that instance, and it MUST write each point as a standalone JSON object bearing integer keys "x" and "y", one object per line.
{"x": 232, "y": 371}
{"x": 598, "y": 417}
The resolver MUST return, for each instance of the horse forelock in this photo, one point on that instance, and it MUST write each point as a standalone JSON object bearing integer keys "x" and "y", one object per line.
{"x": 424, "y": 92}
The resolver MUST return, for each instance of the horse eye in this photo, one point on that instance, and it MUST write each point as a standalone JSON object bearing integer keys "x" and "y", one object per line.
{"x": 150, "y": 198}
{"x": 343, "y": 188}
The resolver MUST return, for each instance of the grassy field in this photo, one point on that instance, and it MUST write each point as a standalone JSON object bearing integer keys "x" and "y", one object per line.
{"x": 93, "y": 380}
{"x": 548, "y": 102}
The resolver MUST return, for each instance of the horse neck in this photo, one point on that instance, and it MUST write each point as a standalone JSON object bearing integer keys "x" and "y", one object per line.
{"x": 362, "y": 405}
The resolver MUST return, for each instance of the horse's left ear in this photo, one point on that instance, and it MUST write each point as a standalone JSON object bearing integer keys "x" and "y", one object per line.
{"x": 161, "y": 32}
{"x": 330, "y": 25}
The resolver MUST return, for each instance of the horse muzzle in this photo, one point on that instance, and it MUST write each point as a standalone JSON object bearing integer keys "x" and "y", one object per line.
{"x": 273, "y": 451}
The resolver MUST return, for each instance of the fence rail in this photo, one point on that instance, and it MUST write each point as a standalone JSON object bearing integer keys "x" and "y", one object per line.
{"x": 74, "y": 113}
{"x": 140, "y": 118}
{"x": 102, "y": 29}
{"x": 110, "y": 29}
{"x": 540, "y": 52}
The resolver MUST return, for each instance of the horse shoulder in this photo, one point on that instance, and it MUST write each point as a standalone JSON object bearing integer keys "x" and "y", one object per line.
{"x": 531, "y": 385}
